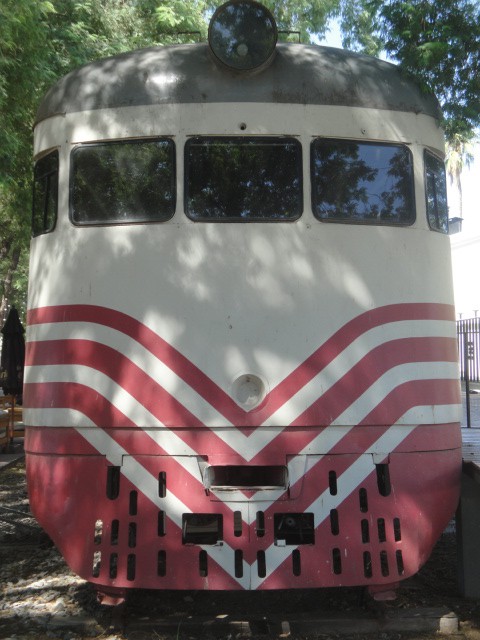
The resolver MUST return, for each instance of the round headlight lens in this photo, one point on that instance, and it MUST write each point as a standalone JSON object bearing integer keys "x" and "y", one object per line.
{"x": 243, "y": 34}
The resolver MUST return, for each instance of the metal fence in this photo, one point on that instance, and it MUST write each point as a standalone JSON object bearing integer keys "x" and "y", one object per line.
{"x": 468, "y": 335}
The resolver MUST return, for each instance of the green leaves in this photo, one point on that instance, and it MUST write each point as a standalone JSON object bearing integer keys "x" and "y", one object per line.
{"x": 168, "y": 16}
{"x": 176, "y": 17}
{"x": 431, "y": 53}
{"x": 308, "y": 17}
{"x": 436, "y": 41}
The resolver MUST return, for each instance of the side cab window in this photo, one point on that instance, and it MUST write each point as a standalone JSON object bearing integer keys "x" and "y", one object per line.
{"x": 45, "y": 194}
{"x": 436, "y": 192}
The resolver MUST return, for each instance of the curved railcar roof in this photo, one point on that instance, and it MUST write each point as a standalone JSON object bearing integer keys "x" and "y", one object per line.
{"x": 302, "y": 74}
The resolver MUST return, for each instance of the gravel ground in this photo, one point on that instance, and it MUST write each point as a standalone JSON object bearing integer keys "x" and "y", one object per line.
{"x": 41, "y": 598}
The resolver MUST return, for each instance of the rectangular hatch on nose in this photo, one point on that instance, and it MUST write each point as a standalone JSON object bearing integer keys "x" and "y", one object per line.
{"x": 245, "y": 477}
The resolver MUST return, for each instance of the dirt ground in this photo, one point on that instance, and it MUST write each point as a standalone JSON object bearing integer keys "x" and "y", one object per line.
{"x": 41, "y": 598}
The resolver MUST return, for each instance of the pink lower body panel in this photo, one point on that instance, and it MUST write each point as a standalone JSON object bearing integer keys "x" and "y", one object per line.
{"x": 366, "y": 512}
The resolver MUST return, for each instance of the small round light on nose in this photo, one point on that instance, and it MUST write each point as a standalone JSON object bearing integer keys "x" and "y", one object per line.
{"x": 243, "y": 35}
{"x": 242, "y": 50}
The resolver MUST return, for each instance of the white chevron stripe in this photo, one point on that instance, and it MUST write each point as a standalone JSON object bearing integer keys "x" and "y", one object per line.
{"x": 332, "y": 435}
{"x": 224, "y": 555}
{"x": 187, "y": 457}
{"x": 136, "y": 353}
{"x": 350, "y": 356}
{"x": 246, "y": 446}
{"x": 417, "y": 371}
{"x": 351, "y": 479}
{"x": 201, "y": 407}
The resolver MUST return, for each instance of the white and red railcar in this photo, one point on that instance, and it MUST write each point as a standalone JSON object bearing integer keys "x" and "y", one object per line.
{"x": 241, "y": 363}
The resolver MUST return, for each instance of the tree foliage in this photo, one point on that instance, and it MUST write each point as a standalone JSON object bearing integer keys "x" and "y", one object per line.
{"x": 22, "y": 77}
{"x": 41, "y": 41}
{"x": 435, "y": 41}
{"x": 308, "y": 17}
{"x": 459, "y": 155}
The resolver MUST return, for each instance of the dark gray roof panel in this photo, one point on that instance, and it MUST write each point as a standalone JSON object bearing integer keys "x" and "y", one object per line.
{"x": 301, "y": 74}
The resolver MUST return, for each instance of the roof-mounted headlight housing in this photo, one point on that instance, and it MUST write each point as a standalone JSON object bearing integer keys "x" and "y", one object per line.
{"x": 243, "y": 35}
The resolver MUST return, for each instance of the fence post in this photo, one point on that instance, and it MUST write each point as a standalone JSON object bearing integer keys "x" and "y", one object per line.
{"x": 466, "y": 371}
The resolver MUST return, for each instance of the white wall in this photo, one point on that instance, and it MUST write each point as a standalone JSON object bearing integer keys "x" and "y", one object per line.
{"x": 466, "y": 245}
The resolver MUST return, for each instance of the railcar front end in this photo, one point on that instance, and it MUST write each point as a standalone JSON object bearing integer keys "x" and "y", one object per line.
{"x": 241, "y": 361}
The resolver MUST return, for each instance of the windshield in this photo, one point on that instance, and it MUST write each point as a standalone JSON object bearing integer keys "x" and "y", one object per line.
{"x": 243, "y": 179}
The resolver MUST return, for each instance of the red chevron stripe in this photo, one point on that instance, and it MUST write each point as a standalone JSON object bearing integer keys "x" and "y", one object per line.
{"x": 118, "y": 368}
{"x": 171, "y": 412}
{"x": 70, "y": 395}
{"x": 417, "y": 393}
{"x": 193, "y": 376}
{"x": 333, "y": 403}
{"x": 86, "y": 400}
{"x": 358, "y": 440}
{"x": 340, "y": 340}
{"x": 135, "y": 441}
{"x": 185, "y": 491}
{"x": 370, "y": 368}
{"x": 406, "y": 396}
{"x": 136, "y": 330}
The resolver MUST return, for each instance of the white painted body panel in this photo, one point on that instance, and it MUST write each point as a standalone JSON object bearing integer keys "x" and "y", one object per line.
{"x": 240, "y": 298}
